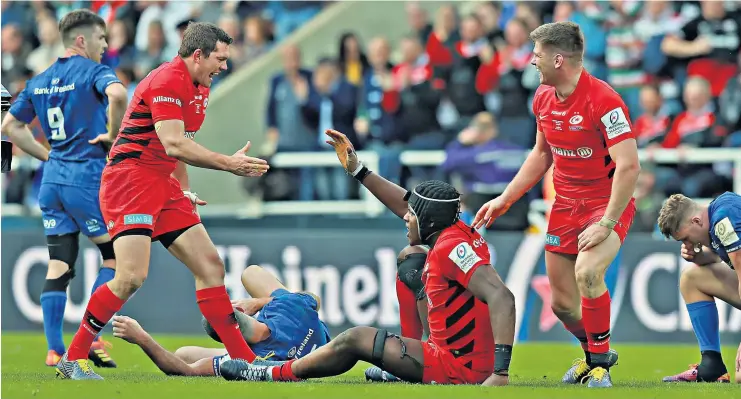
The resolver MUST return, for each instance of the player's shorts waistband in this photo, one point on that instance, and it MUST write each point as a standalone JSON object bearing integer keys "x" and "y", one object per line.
{"x": 583, "y": 198}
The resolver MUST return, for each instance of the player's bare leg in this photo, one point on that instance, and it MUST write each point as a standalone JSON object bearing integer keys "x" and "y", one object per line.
{"x": 98, "y": 351}
{"x": 259, "y": 282}
{"x": 590, "y": 269}
{"x": 192, "y": 354}
{"x": 401, "y": 356}
{"x": 195, "y": 249}
{"x": 132, "y": 267}
{"x": 700, "y": 285}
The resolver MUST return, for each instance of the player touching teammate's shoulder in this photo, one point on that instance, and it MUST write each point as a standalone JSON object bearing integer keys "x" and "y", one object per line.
{"x": 461, "y": 251}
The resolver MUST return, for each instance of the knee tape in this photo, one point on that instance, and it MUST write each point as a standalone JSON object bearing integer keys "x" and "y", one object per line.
{"x": 410, "y": 273}
{"x": 64, "y": 248}
{"x": 379, "y": 344}
{"x": 58, "y": 284}
{"x": 106, "y": 250}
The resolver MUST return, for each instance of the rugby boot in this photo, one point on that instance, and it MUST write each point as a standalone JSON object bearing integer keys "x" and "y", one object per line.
{"x": 599, "y": 378}
{"x": 52, "y": 358}
{"x": 580, "y": 368}
{"x": 240, "y": 370}
{"x": 375, "y": 374}
{"x": 76, "y": 369}
{"x": 690, "y": 375}
{"x": 99, "y": 355}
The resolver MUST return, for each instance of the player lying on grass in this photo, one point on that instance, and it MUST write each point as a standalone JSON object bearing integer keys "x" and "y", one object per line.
{"x": 470, "y": 308}
{"x": 710, "y": 239}
{"x": 287, "y": 327}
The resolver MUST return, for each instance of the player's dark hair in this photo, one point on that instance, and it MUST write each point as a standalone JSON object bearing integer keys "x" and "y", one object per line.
{"x": 203, "y": 36}
{"x": 563, "y": 37}
{"x": 436, "y": 205}
{"x": 71, "y": 23}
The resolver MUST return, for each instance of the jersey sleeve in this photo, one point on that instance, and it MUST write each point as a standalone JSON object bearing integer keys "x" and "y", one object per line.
{"x": 164, "y": 99}
{"x": 613, "y": 118}
{"x": 462, "y": 260}
{"x": 536, "y": 107}
{"x": 22, "y": 109}
{"x": 728, "y": 229}
{"x": 103, "y": 76}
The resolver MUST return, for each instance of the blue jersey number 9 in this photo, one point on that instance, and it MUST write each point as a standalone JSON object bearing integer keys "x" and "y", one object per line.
{"x": 56, "y": 123}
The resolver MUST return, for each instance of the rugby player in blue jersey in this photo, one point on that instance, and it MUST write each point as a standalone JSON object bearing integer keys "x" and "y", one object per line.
{"x": 80, "y": 104}
{"x": 286, "y": 327}
{"x": 710, "y": 240}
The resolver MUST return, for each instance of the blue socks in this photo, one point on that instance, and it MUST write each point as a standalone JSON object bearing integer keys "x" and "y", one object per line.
{"x": 52, "y": 305}
{"x": 704, "y": 317}
{"x": 105, "y": 274}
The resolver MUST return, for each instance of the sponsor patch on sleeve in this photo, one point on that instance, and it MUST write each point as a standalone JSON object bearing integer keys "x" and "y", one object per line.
{"x": 464, "y": 256}
{"x": 615, "y": 123}
{"x": 725, "y": 232}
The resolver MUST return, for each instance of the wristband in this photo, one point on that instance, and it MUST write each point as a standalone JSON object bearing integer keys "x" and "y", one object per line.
{"x": 607, "y": 222}
{"x": 361, "y": 173}
{"x": 193, "y": 197}
{"x": 502, "y": 358}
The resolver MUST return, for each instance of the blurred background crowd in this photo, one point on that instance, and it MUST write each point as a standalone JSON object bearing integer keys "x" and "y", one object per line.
{"x": 460, "y": 81}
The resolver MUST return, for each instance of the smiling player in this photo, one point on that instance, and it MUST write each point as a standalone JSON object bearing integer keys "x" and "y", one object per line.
{"x": 584, "y": 132}
{"x": 710, "y": 239}
{"x": 145, "y": 193}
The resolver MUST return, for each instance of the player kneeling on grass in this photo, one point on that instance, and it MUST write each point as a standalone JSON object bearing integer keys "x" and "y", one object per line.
{"x": 287, "y": 327}
{"x": 470, "y": 309}
{"x": 710, "y": 239}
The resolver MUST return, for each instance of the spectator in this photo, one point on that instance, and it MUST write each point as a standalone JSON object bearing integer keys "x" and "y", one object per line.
{"x": 230, "y": 23}
{"x": 50, "y": 49}
{"x": 648, "y": 201}
{"x": 696, "y": 127}
{"x": 473, "y": 69}
{"x": 14, "y": 53}
{"x": 489, "y": 14}
{"x": 291, "y": 15}
{"x": 562, "y": 11}
{"x": 590, "y": 17}
{"x": 331, "y": 103}
{"x": 154, "y": 54}
{"x": 624, "y": 53}
{"x": 712, "y": 41}
{"x": 374, "y": 125}
{"x": 257, "y": 38}
{"x": 287, "y": 131}
{"x": 419, "y": 21}
{"x": 730, "y": 108}
{"x": 517, "y": 125}
{"x": 353, "y": 62}
{"x": 443, "y": 38}
{"x": 120, "y": 50}
{"x": 485, "y": 165}
{"x": 651, "y": 127}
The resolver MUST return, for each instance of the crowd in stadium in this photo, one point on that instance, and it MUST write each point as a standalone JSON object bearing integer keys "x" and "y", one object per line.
{"x": 460, "y": 81}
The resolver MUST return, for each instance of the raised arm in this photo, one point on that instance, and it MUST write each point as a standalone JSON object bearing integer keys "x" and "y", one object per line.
{"x": 390, "y": 194}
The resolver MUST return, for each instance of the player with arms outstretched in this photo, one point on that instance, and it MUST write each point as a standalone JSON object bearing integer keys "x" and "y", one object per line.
{"x": 145, "y": 193}
{"x": 470, "y": 308}
{"x": 584, "y": 132}
{"x": 286, "y": 327}
{"x": 710, "y": 240}
{"x": 70, "y": 100}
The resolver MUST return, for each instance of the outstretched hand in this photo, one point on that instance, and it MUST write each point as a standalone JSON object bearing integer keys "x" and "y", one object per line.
{"x": 344, "y": 149}
{"x": 244, "y": 165}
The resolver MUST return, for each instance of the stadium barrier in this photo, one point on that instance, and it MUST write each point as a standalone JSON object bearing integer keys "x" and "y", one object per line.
{"x": 353, "y": 269}
{"x": 370, "y": 206}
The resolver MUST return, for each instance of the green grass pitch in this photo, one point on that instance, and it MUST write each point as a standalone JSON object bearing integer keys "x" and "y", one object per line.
{"x": 536, "y": 372}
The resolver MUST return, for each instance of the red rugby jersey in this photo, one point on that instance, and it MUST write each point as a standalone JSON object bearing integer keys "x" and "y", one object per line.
{"x": 166, "y": 93}
{"x": 579, "y": 131}
{"x": 459, "y": 323}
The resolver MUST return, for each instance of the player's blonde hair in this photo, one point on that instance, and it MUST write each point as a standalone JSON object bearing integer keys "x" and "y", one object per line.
{"x": 674, "y": 214}
{"x": 563, "y": 37}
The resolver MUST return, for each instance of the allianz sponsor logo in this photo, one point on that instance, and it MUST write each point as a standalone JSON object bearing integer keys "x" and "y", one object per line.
{"x": 165, "y": 99}
{"x": 581, "y": 152}
{"x": 53, "y": 89}
{"x": 190, "y": 135}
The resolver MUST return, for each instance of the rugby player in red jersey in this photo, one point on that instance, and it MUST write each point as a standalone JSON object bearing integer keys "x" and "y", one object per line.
{"x": 145, "y": 195}
{"x": 584, "y": 131}
{"x": 470, "y": 308}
